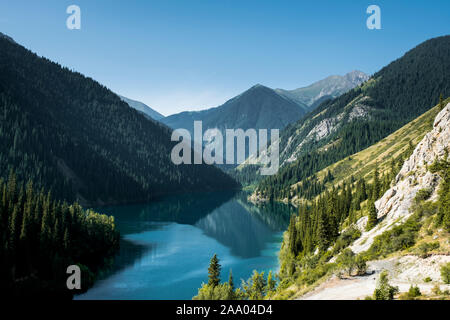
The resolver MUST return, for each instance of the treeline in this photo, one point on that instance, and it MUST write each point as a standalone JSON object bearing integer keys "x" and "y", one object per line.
{"x": 40, "y": 237}
{"x": 357, "y": 137}
{"x": 309, "y": 187}
{"x": 319, "y": 222}
{"x": 247, "y": 175}
{"x": 257, "y": 287}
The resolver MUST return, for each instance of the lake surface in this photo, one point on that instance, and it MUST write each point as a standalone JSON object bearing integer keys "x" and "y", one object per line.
{"x": 166, "y": 246}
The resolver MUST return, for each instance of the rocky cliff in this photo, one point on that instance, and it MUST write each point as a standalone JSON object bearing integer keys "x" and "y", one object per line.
{"x": 394, "y": 206}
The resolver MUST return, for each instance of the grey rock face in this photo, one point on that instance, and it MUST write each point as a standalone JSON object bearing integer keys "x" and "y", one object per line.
{"x": 394, "y": 206}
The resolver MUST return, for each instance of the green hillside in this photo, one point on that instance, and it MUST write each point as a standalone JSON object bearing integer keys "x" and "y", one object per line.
{"x": 314, "y": 246}
{"x": 71, "y": 135}
{"x": 381, "y": 154}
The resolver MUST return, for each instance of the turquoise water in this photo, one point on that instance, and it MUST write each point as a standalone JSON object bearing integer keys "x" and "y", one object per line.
{"x": 166, "y": 246}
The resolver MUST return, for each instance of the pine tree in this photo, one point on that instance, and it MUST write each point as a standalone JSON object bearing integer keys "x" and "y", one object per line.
{"x": 323, "y": 235}
{"x": 12, "y": 184}
{"x": 410, "y": 149}
{"x": 271, "y": 282}
{"x": 13, "y": 229}
{"x": 230, "y": 280}
{"x": 298, "y": 245}
{"x": 66, "y": 240}
{"x": 27, "y": 214}
{"x": 363, "y": 194}
{"x": 231, "y": 295}
{"x": 372, "y": 217}
{"x": 214, "y": 272}
{"x": 332, "y": 213}
{"x": 4, "y": 197}
{"x": 256, "y": 286}
{"x": 352, "y": 214}
{"x": 292, "y": 232}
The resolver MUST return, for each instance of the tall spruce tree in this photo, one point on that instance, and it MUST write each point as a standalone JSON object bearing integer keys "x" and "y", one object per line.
{"x": 323, "y": 233}
{"x": 372, "y": 217}
{"x": 230, "y": 280}
{"x": 214, "y": 271}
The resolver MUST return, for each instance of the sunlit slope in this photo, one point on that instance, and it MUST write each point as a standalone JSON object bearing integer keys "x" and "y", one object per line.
{"x": 363, "y": 163}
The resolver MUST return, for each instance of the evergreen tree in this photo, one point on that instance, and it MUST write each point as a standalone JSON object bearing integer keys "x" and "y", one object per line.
{"x": 230, "y": 280}
{"x": 363, "y": 191}
{"x": 323, "y": 234}
{"x": 372, "y": 217}
{"x": 214, "y": 272}
{"x": 271, "y": 282}
{"x": 410, "y": 148}
{"x": 256, "y": 287}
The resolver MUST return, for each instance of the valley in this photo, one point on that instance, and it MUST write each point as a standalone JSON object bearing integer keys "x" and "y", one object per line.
{"x": 359, "y": 206}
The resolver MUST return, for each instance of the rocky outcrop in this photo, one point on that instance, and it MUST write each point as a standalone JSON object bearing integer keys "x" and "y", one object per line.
{"x": 320, "y": 131}
{"x": 324, "y": 128}
{"x": 394, "y": 206}
{"x": 359, "y": 111}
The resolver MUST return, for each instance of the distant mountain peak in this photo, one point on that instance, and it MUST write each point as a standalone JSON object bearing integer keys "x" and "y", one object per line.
{"x": 356, "y": 72}
{"x": 356, "y": 76}
{"x": 259, "y": 107}
{"x": 331, "y": 87}
{"x": 258, "y": 86}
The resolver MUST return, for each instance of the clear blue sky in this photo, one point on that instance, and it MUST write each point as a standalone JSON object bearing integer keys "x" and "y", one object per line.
{"x": 192, "y": 54}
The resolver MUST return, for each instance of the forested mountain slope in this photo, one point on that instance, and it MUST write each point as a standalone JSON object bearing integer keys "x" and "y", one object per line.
{"x": 401, "y": 213}
{"x": 384, "y": 155}
{"x": 395, "y": 95}
{"x": 71, "y": 135}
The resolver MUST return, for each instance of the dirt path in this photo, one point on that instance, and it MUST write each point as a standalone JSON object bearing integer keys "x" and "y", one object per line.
{"x": 403, "y": 272}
